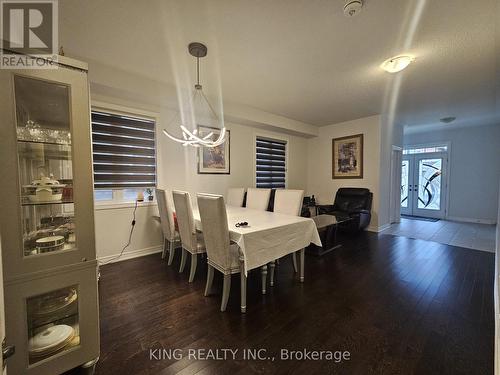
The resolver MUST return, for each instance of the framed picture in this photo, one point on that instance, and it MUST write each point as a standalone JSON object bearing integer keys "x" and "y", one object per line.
{"x": 347, "y": 157}
{"x": 214, "y": 160}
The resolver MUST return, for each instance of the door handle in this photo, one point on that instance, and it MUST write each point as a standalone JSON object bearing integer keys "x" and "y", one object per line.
{"x": 7, "y": 351}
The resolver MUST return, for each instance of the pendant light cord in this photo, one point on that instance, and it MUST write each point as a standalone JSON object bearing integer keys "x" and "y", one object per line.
{"x": 198, "y": 71}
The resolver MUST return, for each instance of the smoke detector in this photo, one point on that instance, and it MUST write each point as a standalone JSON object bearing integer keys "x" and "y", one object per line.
{"x": 352, "y": 7}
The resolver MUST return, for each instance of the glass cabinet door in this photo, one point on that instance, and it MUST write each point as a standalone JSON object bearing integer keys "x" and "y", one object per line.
{"x": 53, "y": 321}
{"x": 48, "y": 171}
{"x": 45, "y": 165}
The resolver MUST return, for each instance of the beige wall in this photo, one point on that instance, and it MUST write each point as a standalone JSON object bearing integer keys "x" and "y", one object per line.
{"x": 178, "y": 164}
{"x": 320, "y": 182}
{"x": 177, "y": 169}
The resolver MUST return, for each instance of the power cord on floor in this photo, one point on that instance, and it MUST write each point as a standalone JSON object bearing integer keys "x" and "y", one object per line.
{"x": 124, "y": 247}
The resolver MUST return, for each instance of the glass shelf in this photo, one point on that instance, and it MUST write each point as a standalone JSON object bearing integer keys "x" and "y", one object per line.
{"x": 26, "y": 202}
{"x": 42, "y": 151}
{"x": 44, "y": 143}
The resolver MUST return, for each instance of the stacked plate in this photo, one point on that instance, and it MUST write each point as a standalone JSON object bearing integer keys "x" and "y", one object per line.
{"x": 51, "y": 243}
{"x": 55, "y": 302}
{"x": 50, "y": 340}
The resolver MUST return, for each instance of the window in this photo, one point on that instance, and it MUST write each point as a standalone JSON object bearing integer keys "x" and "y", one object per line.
{"x": 124, "y": 155}
{"x": 270, "y": 163}
{"x": 423, "y": 150}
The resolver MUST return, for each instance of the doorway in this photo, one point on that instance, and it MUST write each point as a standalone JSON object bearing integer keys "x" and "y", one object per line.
{"x": 424, "y": 181}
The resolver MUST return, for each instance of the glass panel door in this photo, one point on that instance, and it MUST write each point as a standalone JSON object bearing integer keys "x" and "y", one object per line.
{"x": 406, "y": 197}
{"x": 429, "y": 186}
{"x": 422, "y": 185}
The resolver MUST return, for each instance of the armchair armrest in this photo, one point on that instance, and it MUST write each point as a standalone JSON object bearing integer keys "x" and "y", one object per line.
{"x": 324, "y": 208}
{"x": 361, "y": 211}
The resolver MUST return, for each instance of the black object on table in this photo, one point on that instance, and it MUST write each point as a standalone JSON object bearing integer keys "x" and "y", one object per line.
{"x": 327, "y": 226}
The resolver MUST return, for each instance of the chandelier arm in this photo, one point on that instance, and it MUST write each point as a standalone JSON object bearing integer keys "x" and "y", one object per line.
{"x": 185, "y": 142}
{"x": 195, "y": 137}
{"x": 221, "y": 139}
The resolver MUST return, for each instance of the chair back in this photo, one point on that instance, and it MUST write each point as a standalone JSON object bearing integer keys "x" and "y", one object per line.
{"x": 288, "y": 201}
{"x": 353, "y": 199}
{"x": 185, "y": 220}
{"x": 215, "y": 229}
{"x": 258, "y": 199}
{"x": 166, "y": 214}
{"x": 235, "y": 197}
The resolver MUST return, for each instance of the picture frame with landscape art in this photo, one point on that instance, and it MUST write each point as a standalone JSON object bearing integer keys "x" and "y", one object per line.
{"x": 347, "y": 157}
{"x": 214, "y": 160}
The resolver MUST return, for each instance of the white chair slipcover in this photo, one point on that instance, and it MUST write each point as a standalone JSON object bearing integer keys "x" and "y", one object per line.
{"x": 192, "y": 241}
{"x": 258, "y": 199}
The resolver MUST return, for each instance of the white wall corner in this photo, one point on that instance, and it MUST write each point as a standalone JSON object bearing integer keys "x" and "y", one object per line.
{"x": 378, "y": 229}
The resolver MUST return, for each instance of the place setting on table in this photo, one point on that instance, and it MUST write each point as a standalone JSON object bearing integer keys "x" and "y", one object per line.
{"x": 237, "y": 239}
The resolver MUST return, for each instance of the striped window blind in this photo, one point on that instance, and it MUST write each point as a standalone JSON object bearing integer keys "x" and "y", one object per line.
{"x": 270, "y": 163}
{"x": 124, "y": 151}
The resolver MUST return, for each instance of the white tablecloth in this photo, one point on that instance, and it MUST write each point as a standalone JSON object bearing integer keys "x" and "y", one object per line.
{"x": 269, "y": 235}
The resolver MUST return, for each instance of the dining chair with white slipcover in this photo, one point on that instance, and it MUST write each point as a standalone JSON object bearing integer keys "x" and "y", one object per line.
{"x": 288, "y": 202}
{"x": 222, "y": 255}
{"x": 235, "y": 197}
{"x": 167, "y": 223}
{"x": 192, "y": 240}
{"x": 258, "y": 199}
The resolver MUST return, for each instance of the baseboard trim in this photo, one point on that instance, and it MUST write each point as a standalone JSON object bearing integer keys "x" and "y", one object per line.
{"x": 471, "y": 220}
{"x": 378, "y": 229}
{"x": 131, "y": 254}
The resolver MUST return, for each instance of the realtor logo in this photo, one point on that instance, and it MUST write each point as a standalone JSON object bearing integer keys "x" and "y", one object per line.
{"x": 28, "y": 28}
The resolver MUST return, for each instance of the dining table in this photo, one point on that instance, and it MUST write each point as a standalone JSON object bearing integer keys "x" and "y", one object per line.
{"x": 268, "y": 236}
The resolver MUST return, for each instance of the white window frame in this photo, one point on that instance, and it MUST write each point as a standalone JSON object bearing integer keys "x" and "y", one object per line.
{"x": 273, "y": 137}
{"x": 118, "y": 200}
{"x": 426, "y": 145}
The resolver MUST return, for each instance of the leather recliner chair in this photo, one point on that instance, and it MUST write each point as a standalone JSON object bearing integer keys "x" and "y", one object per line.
{"x": 353, "y": 202}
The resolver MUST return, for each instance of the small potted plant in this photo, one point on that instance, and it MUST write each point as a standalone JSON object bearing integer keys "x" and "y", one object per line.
{"x": 149, "y": 192}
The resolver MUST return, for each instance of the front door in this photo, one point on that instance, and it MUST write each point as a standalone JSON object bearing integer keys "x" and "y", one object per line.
{"x": 423, "y": 189}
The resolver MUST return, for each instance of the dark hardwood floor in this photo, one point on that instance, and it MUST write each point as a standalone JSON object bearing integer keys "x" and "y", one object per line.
{"x": 399, "y": 306}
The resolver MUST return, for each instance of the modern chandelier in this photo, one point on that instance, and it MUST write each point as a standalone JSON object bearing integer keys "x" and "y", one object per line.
{"x": 191, "y": 137}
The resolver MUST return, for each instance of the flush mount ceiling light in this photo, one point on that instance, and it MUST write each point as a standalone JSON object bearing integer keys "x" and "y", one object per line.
{"x": 397, "y": 63}
{"x": 447, "y": 120}
{"x": 190, "y": 137}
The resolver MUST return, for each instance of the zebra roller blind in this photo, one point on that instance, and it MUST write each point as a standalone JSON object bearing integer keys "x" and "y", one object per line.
{"x": 270, "y": 163}
{"x": 124, "y": 151}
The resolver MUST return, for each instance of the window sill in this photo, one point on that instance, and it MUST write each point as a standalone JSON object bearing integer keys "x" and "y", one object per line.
{"x": 118, "y": 205}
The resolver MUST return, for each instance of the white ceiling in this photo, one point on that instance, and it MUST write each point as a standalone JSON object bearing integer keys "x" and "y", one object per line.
{"x": 304, "y": 59}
